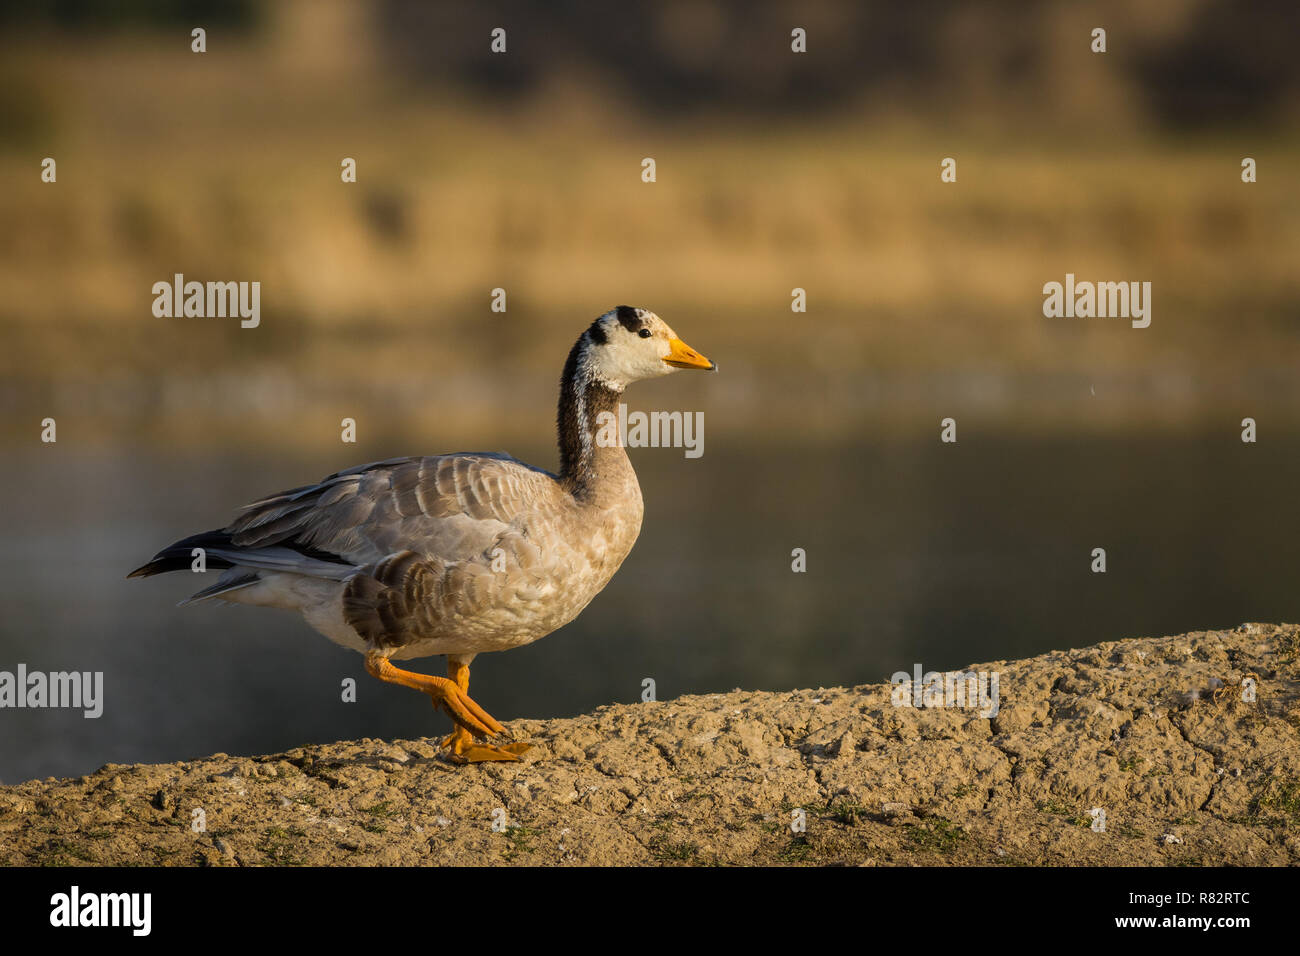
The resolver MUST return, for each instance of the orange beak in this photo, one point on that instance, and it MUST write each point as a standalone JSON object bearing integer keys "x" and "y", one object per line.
{"x": 681, "y": 355}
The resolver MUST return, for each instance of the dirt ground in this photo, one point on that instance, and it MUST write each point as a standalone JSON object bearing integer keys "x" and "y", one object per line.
{"x": 1151, "y": 734}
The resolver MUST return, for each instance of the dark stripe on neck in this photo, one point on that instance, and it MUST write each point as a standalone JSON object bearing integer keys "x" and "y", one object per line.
{"x": 581, "y": 401}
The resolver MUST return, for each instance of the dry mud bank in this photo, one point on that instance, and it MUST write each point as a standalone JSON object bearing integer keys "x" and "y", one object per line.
{"x": 1154, "y": 732}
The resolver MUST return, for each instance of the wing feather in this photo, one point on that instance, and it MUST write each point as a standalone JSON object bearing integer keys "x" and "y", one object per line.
{"x": 451, "y": 507}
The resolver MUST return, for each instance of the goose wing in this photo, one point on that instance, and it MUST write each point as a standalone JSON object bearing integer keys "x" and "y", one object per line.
{"x": 448, "y": 507}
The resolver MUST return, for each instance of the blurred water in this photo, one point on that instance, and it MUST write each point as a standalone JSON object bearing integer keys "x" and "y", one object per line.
{"x": 917, "y": 552}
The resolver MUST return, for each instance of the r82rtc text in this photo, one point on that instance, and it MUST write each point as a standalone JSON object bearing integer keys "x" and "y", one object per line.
{"x": 1160, "y": 899}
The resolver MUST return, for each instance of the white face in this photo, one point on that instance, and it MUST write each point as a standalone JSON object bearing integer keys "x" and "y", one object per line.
{"x": 635, "y": 344}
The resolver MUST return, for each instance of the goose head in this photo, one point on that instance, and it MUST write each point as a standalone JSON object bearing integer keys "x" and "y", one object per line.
{"x": 626, "y": 345}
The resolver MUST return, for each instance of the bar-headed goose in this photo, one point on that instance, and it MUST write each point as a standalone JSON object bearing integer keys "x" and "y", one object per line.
{"x": 454, "y": 554}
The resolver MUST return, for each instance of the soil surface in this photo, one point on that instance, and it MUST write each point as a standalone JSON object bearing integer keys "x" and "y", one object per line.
{"x": 1132, "y": 752}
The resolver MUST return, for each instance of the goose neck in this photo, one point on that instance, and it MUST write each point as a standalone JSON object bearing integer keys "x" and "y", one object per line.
{"x": 591, "y": 464}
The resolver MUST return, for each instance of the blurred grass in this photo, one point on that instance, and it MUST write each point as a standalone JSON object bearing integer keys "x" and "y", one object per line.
{"x": 923, "y": 297}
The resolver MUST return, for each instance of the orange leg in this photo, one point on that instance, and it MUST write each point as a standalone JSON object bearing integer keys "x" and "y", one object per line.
{"x": 462, "y": 747}
{"x": 450, "y": 695}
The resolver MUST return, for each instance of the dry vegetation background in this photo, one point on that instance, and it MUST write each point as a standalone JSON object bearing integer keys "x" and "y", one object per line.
{"x": 774, "y": 171}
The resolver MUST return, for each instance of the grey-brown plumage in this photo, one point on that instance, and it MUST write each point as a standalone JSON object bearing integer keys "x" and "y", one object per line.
{"x": 454, "y": 554}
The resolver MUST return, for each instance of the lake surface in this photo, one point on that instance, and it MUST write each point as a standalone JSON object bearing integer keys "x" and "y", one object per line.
{"x": 917, "y": 552}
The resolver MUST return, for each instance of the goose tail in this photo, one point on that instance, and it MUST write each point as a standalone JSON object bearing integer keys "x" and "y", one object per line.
{"x": 180, "y": 556}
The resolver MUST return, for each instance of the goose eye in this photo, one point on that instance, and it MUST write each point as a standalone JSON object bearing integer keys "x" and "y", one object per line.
{"x": 644, "y": 333}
